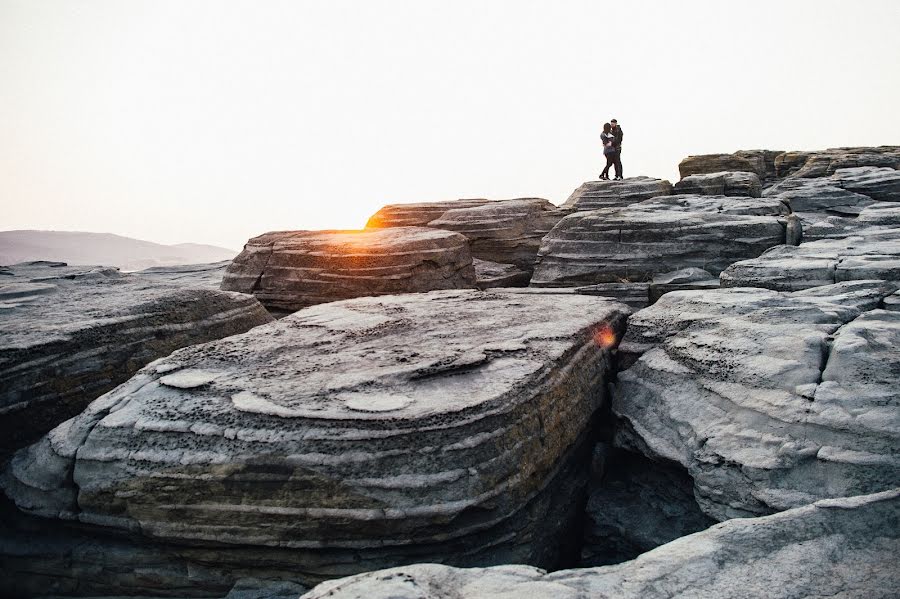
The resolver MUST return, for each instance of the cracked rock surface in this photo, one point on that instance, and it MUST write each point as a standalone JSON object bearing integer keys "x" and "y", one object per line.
{"x": 840, "y": 548}
{"x": 330, "y": 443}
{"x": 289, "y": 270}
{"x": 610, "y": 194}
{"x": 69, "y": 334}
{"x": 769, "y": 400}
{"x": 725, "y": 183}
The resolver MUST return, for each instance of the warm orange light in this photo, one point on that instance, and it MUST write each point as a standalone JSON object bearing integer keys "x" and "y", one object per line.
{"x": 605, "y": 337}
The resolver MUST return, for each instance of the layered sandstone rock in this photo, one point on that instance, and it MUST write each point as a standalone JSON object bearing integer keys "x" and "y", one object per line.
{"x": 760, "y": 162}
{"x": 633, "y": 243}
{"x": 507, "y": 231}
{"x": 721, "y": 184}
{"x": 833, "y": 548}
{"x": 70, "y": 334}
{"x": 489, "y": 275}
{"x": 289, "y": 270}
{"x": 191, "y": 275}
{"x": 609, "y": 194}
{"x": 769, "y": 400}
{"x": 416, "y": 214}
{"x": 871, "y": 253}
{"x": 826, "y": 162}
{"x": 684, "y": 279}
{"x": 447, "y": 426}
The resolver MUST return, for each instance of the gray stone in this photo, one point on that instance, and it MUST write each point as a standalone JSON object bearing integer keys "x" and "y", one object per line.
{"x": 489, "y": 275}
{"x": 892, "y": 302}
{"x": 70, "y": 334}
{"x": 769, "y": 400}
{"x": 840, "y": 548}
{"x": 192, "y": 275}
{"x": 680, "y": 280}
{"x": 871, "y": 253}
{"x": 726, "y": 183}
{"x": 824, "y": 163}
{"x": 447, "y": 426}
{"x": 416, "y": 214}
{"x": 631, "y": 244}
{"x": 507, "y": 231}
{"x": 610, "y": 194}
{"x": 289, "y": 270}
{"x": 634, "y": 295}
{"x": 760, "y": 162}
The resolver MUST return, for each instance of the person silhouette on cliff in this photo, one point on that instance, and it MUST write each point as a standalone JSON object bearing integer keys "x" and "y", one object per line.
{"x": 617, "y": 144}
{"x": 609, "y": 151}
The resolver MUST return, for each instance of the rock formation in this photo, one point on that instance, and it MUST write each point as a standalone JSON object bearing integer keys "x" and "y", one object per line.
{"x": 761, "y": 162}
{"x": 489, "y": 275}
{"x": 289, "y": 270}
{"x": 417, "y": 214}
{"x": 680, "y": 280}
{"x": 191, "y": 275}
{"x": 507, "y": 231}
{"x": 872, "y": 253}
{"x": 769, "y": 400}
{"x": 609, "y": 194}
{"x": 633, "y": 243}
{"x": 348, "y": 436}
{"x": 725, "y": 183}
{"x": 833, "y": 548}
{"x": 824, "y": 163}
{"x": 70, "y": 334}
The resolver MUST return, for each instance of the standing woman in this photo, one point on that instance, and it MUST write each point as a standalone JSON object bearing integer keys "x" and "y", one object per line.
{"x": 609, "y": 149}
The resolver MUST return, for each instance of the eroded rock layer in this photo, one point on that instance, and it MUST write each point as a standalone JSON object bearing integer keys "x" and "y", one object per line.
{"x": 446, "y": 426}
{"x": 834, "y": 548}
{"x": 490, "y": 275}
{"x": 416, "y": 214}
{"x": 633, "y": 243}
{"x": 825, "y": 162}
{"x": 70, "y": 334}
{"x": 507, "y": 231}
{"x": 289, "y": 270}
{"x": 609, "y": 194}
{"x": 769, "y": 400}
{"x": 760, "y": 162}
{"x": 723, "y": 184}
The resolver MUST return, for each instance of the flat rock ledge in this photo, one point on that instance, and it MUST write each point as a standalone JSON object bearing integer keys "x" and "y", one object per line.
{"x": 634, "y": 243}
{"x": 328, "y": 443}
{"x": 417, "y": 214}
{"x": 592, "y": 195}
{"x": 289, "y": 270}
{"x": 769, "y": 400}
{"x": 760, "y": 162}
{"x": 70, "y": 334}
{"x": 506, "y": 231}
{"x": 490, "y": 275}
{"x": 833, "y": 548}
{"x": 726, "y": 183}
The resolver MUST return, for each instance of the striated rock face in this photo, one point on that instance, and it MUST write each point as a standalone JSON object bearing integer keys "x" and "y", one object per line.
{"x": 289, "y": 270}
{"x": 760, "y": 162}
{"x": 609, "y": 194}
{"x": 633, "y": 243}
{"x": 826, "y": 162}
{"x": 872, "y": 253}
{"x": 70, "y": 334}
{"x": 634, "y": 295}
{"x": 721, "y": 184}
{"x": 834, "y": 548}
{"x": 680, "y": 280}
{"x": 489, "y": 275}
{"x": 348, "y": 436}
{"x": 417, "y": 214}
{"x": 192, "y": 275}
{"x": 508, "y": 231}
{"x": 769, "y": 400}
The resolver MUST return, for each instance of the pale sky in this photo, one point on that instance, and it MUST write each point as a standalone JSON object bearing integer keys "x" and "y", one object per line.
{"x": 215, "y": 121}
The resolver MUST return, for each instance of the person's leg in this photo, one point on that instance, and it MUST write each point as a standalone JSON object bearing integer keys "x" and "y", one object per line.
{"x": 617, "y": 162}
{"x": 609, "y": 163}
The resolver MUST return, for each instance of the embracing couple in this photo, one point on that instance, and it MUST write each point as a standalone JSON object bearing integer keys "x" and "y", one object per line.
{"x": 612, "y": 148}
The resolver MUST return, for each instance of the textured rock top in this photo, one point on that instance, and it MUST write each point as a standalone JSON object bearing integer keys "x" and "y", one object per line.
{"x": 770, "y": 400}
{"x": 833, "y": 548}
{"x": 825, "y": 162}
{"x": 416, "y": 214}
{"x": 193, "y": 275}
{"x": 607, "y": 194}
{"x": 760, "y": 162}
{"x": 725, "y": 183}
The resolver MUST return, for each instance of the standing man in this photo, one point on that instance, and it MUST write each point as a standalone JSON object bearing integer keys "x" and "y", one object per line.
{"x": 617, "y": 144}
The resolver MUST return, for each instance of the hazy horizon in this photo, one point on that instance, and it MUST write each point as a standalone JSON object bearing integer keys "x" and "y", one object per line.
{"x": 212, "y": 122}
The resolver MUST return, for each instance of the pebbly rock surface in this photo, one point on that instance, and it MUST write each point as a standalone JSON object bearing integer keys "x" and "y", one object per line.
{"x": 724, "y": 183}
{"x": 869, "y": 253}
{"x": 826, "y": 162}
{"x": 417, "y": 214}
{"x": 769, "y": 400}
{"x": 609, "y": 194}
{"x": 634, "y": 243}
{"x": 289, "y": 270}
{"x": 70, "y": 334}
{"x": 348, "y": 436}
{"x": 760, "y": 162}
{"x": 506, "y": 231}
{"x": 192, "y": 275}
{"x": 489, "y": 275}
{"x": 843, "y": 548}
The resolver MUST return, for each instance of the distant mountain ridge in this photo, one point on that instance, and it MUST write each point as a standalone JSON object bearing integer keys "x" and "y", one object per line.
{"x": 108, "y": 249}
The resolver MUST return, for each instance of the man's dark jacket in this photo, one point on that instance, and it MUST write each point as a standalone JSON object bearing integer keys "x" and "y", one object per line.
{"x": 617, "y": 137}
